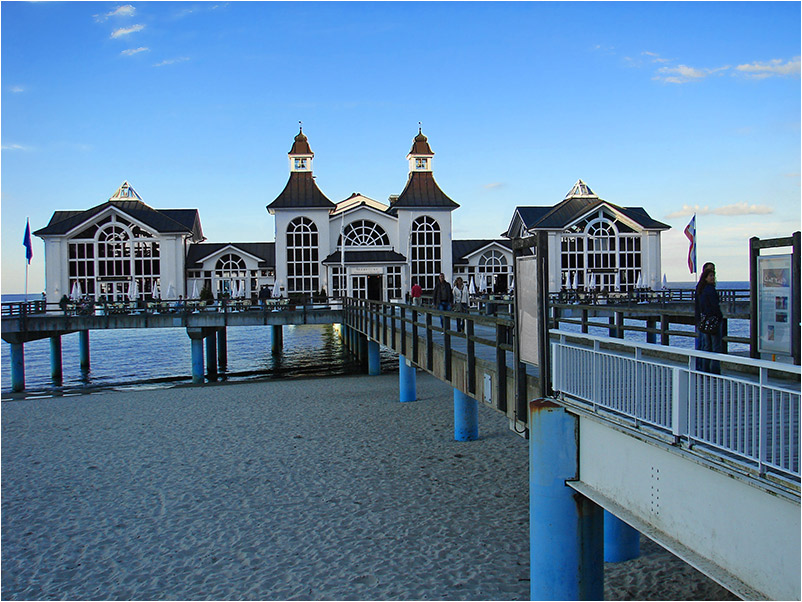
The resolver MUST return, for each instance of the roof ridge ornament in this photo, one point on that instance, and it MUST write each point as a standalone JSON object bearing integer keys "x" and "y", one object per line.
{"x": 580, "y": 189}
{"x": 125, "y": 192}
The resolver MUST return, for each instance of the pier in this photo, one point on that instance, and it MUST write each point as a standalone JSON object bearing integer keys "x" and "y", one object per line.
{"x": 657, "y": 436}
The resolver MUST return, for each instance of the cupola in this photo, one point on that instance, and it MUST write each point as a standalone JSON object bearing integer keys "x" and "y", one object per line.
{"x": 420, "y": 157}
{"x": 301, "y": 154}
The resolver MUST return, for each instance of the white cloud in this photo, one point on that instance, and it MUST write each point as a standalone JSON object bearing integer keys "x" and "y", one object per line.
{"x": 680, "y": 74}
{"x": 124, "y": 31}
{"x": 773, "y": 68}
{"x": 121, "y": 11}
{"x": 493, "y": 185}
{"x": 132, "y": 51}
{"x": 15, "y": 147}
{"x": 17, "y": 89}
{"x": 742, "y": 208}
{"x": 181, "y": 59}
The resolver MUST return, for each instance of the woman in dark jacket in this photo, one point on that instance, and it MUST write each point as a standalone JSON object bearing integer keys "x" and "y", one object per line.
{"x": 707, "y": 301}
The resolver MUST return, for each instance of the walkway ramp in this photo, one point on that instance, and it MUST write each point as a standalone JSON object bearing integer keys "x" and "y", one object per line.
{"x": 707, "y": 466}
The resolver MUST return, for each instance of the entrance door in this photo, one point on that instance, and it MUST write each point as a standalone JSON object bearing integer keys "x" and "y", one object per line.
{"x": 359, "y": 287}
{"x": 375, "y": 288}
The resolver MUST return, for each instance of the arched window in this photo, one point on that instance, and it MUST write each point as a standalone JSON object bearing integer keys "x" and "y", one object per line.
{"x": 493, "y": 264}
{"x": 602, "y": 243}
{"x": 364, "y": 233}
{"x": 425, "y": 251}
{"x": 228, "y": 270}
{"x": 302, "y": 256}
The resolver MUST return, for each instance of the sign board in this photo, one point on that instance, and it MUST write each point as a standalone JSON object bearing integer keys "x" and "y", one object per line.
{"x": 774, "y": 304}
{"x": 528, "y": 311}
{"x": 366, "y": 270}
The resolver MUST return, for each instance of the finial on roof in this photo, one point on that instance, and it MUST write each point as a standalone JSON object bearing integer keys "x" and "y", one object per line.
{"x": 301, "y": 125}
{"x": 420, "y": 129}
{"x": 580, "y": 189}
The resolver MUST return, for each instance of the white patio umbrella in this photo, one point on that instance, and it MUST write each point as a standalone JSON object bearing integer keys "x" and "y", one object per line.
{"x": 482, "y": 282}
{"x": 592, "y": 282}
{"x": 171, "y": 294}
{"x": 639, "y": 281}
{"x": 617, "y": 284}
{"x": 512, "y": 284}
{"x": 156, "y": 292}
{"x": 76, "y": 292}
{"x": 472, "y": 288}
{"x": 276, "y": 289}
{"x": 665, "y": 282}
{"x": 575, "y": 284}
{"x": 234, "y": 289}
{"x": 133, "y": 290}
{"x": 195, "y": 292}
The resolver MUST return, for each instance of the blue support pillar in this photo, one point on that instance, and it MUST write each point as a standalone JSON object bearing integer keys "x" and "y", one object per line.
{"x": 56, "y": 366}
{"x": 466, "y": 417}
{"x": 211, "y": 355}
{"x": 197, "y": 361}
{"x": 374, "y": 359}
{"x": 621, "y": 542}
{"x": 196, "y": 339}
{"x": 222, "y": 349}
{"x": 566, "y": 529}
{"x": 406, "y": 380}
{"x": 83, "y": 349}
{"x": 277, "y": 339}
{"x": 17, "y": 367}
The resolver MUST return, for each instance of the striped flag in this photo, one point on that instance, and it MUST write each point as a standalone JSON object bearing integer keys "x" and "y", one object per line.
{"x": 26, "y": 242}
{"x": 690, "y": 232}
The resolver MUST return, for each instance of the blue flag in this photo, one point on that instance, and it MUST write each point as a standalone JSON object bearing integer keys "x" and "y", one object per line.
{"x": 27, "y": 242}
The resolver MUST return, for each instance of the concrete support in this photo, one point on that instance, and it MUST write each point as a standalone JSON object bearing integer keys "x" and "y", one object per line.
{"x": 56, "y": 366}
{"x": 406, "y": 380}
{"x": 566, "y": 530}
{"x": 222, "y": 349}
{"x": 277, "y": 339}
{"x": 197, "y": 361}
{"x": 83, "y": 349}
{"x": 362, "y": 343}
{"x": 211, "y": 355}
{"x": 374, "y": 359}
{"x": 17, "y": 367}
{"x": 621, "y": 542}
{"x": 466, "y": 417}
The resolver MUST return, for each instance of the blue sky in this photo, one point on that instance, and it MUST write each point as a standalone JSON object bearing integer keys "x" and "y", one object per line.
{"x": 674, "y": 107}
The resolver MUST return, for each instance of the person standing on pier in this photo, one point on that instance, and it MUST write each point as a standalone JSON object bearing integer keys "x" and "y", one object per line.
{"x": 461, "y": 299}
{"x": 415, "y": 292}
{"x": 442, "y": 296}
{"x": 708, "y": 306}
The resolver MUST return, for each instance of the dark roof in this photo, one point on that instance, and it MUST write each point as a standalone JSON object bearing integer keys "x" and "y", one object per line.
{"x": 366, "y": 257}
{"x": 301, "y": 146}
{"x": 566, "y": 211}
{"x": 161, "y": 220}
{"x": 422, "y": 191}
{"x": 265, "y": 251}
{"x": 420, "y": 145}
{"x": 301, "y": 191}
{"x": 460, "y": 249}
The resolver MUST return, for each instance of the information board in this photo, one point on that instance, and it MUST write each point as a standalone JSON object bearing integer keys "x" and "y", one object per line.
{"x": 774, "y": 304}
{"x": 528, "y": 312}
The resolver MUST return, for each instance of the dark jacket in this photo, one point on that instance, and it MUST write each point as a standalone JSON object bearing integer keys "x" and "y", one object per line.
{"x": 442, "y": 292}
{"x": 708, "y": 302}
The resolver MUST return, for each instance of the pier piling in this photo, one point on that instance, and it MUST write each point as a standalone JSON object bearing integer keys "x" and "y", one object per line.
{"x": 277, "y": 339}
{"x": 222, "y": 349}
{"x": 374, "y": 359}
{"x": 17, "y": 367}
{"x": 83, "y": 348}
{"x": 566, "y": 539}
{"x": 406, "y": 380}
{"x": 621, "y": 542}
{"x": 56, "y": 366}
{"x": 466, "y": 417}
{"x": 211, "y": 355}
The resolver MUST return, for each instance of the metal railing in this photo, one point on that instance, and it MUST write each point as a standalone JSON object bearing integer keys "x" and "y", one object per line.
{"x": 750, "y": 418}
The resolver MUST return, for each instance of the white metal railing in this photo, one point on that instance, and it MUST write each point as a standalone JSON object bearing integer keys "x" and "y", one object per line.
{"x": 751, "y": 418}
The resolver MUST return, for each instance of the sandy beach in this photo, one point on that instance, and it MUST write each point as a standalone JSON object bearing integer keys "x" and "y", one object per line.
{"x": 277, "y": 490}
